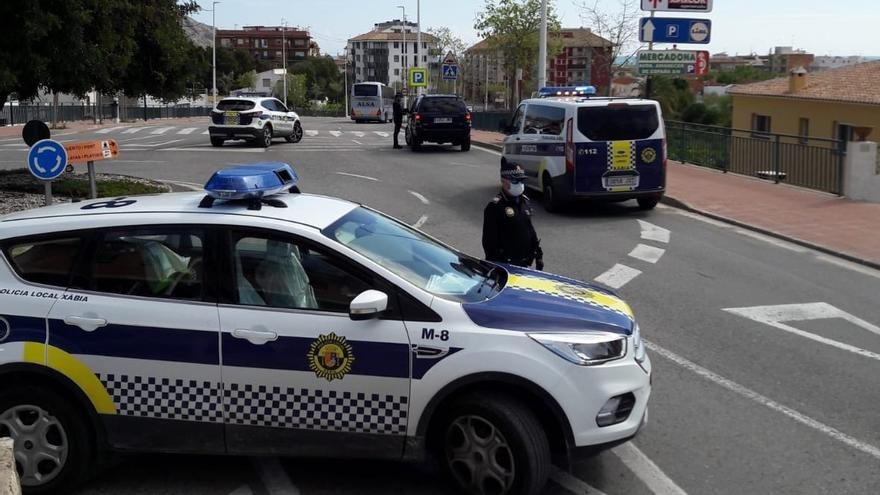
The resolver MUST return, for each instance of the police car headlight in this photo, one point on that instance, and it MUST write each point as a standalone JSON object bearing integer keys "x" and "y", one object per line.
{"x": 585, "y": 349}
{"x": 638, "y": 345}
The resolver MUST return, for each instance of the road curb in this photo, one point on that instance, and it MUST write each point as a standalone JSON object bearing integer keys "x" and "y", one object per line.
{"x": 683, "y": 205}
{"x": 491, "y": 146}
{"x": 8, "y": 475}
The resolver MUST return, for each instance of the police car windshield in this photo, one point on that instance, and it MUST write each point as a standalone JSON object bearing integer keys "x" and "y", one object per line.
{"x": 415, "y": 257}
{"x": 235, "y": 105}
{"x": 618, "y": 122}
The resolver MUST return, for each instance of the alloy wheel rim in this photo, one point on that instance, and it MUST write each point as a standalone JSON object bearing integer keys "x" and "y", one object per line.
{"x": 479, "y": 456}
{"x": 41, "y": 443}
{"x": 267, "y": 136}
{"x": 297, "y": 132}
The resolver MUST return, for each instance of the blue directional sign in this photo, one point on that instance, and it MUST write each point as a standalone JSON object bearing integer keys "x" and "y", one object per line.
{"x": 449, "y": 71}
{"x": 47, "y": 159}
{"x": 675, "y": 30}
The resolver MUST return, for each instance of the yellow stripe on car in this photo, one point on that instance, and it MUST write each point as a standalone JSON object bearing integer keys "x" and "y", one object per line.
{"x": 74, "y": 369}
{"x": 571, "y": 292}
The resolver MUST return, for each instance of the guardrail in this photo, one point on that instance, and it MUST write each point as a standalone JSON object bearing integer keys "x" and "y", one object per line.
{"x": 814, "y": 163}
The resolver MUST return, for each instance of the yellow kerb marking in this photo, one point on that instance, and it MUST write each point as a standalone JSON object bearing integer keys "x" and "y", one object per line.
{"x": 564, "y": 289}
{"x": 72, "y": 368}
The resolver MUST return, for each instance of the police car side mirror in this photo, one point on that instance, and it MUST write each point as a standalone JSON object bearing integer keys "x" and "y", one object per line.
{"x": 367, "y": 305}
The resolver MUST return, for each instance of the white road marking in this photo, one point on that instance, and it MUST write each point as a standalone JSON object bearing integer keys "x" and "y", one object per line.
{"x": 242, "y": 490}
{"x": 152, "y": 145}
{"x": 651, "y": 232}
{"x": 381, "y": 134}
{"x": 572, "y": 484}
{"x": 649, "y": 254}
{"x": 206, "y": 133}
{"x": 645, "y": 469}
{"x": 710, "y": 221}
{"x": 214, "y": 150}
{"x": 335, "y": 133}
{"x": 358, "y": 176}
{"x": 765, "y": 401}
{"x": 188, "y": 130}
{"x": 358, "y": 133}
{"x": 618, "y": 276}
{"x": 356, "y": 141}
{"x": 772, "y": 240}
{"x": 311, "y": 132}
{"x": 161, "y": 130}
{"x": 420, "y": 197}
{"x": 471, "y": 165}
{"x": 776, "y": 315}
{"x": 109, "y": 129}
{"x": 849, "y": 265}
{"x": 421, "y": 221}
{"x": 274, "y": 478}
{"x": 139, "y": 138}
{"x": 188, "y": 185}
{"x": 487, "y": 150}
{"x": 133, "y": 130}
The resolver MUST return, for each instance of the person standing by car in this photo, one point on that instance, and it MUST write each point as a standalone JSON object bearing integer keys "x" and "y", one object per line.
{"x": 508, "y": 233}
{"x": 398, "y": 117}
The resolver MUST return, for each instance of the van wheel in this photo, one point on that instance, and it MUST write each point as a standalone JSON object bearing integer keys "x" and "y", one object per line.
{"x": 53, "y": 447}
{"x": 648, "y": 202}
{"x": 551, "y": 202}
{"x": 492, "y": 444}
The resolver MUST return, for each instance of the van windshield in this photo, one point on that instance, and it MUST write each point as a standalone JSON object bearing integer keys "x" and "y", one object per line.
{"x": 618, "y": 122}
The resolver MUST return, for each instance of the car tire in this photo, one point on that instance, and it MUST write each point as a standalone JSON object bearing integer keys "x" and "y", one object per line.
{"x": 492, "y": 443}
{"x": 648, "y": 202}
{"x": 217, "y": 142}
{"x": 67, "y": 438}
{"x": 416, "y": 144}
{"x": 549, "y": 198}
{"x": 297, "y": 134}
{"x": 466, "y": 144}
{"x": 265, "y": 139}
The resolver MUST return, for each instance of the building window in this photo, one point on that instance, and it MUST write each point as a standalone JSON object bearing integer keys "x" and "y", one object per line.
{"x": 396, "y": 72}
{"x": 239, "y": 41}
{"x": 760, "y": 124}
{"x": 265, "y": 54}
{"x": 300, "y": 54}
{"x": 396, "y": 45}
{"x": 358, "y": 58}
{"x": 299, "y": 42}
{"x": 397, "y": 59}
{"x": 804, "y": 130}
{"x": 357, "y": 44}
{"x": 225, "y": 42}
{"x": 277, "y": 54}
{"x": 267, "y": 83}
{"x": 843, "y": 133}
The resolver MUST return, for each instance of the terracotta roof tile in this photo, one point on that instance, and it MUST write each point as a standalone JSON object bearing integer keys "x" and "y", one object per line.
{"x": 853, "y": 84}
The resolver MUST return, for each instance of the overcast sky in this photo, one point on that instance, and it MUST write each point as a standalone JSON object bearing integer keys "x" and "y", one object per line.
{"x": 822, "y": 27}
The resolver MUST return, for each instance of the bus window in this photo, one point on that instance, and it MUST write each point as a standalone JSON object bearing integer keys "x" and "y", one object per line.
{"x": 365, "y": 90}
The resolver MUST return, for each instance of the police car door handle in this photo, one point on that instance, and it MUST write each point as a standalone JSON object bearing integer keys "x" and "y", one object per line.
{"x": 256, "y": 337}
{"x": 87, "y": 324}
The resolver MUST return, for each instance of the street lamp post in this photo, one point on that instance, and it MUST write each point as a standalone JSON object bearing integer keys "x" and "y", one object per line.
{"x": 345, "y": 80}
{"x": 542, "y": 47}
{"x": 403, "y": 57}
{"x": 418, "y": 36}
{"x": 214, "y": 50}
{"x": 284, "y": 57}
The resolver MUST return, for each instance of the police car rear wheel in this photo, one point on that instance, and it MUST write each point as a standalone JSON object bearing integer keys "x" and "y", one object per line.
{"x": 52, "y": 445}
{"x": 494, "y": 445}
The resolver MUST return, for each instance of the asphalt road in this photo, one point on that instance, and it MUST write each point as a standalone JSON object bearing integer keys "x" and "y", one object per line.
{"x": 766, "y": 354}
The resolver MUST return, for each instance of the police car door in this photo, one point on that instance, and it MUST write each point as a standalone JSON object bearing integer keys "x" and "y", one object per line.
{"x": 300, "y": 376}
{"x": 284, "y": 120}
{"x": 139, "y": 328}
{"x": 513, "y": 140}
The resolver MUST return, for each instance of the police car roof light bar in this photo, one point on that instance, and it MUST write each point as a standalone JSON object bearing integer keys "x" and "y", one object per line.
{"x": 551, "y": 91}
{"x": 253, "y": 183}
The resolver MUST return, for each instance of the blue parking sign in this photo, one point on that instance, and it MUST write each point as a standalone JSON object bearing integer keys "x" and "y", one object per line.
{"x": 47, "y": 159}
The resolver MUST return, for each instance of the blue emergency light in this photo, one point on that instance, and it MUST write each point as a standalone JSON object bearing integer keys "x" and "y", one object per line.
{"x": 254, "y": 182}
{"x": 555, "y": 91}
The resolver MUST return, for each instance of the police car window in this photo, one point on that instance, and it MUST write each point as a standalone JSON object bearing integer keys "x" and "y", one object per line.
{"x": 46, "y": 261}
{"x": 235, "y": 105}
{"x": 413, "y": 256}
{"x": 543, "y": 119}
{"x": 164, "y": 264}
{"x": 270, "y": 105}
{"x": 282, "y": 273}
{"x": 518, "y": 118}
{"x": 620, "y": 122}
{"x": 280, "y": 106}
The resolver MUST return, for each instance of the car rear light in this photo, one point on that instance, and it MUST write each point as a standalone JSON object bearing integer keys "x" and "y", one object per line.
{"x": 467, "y": 117}
{"x": 665, "y": 156}
{"x": 378, "y": 113}
{"x": 417, "y": 117}
{"x": 569, "y": 147}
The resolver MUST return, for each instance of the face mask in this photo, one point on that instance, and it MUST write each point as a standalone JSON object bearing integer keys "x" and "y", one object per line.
{"x": 516, "y": 189}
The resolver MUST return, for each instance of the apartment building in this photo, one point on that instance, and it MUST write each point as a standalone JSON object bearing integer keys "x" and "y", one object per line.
{"x": 265, "y": 42}
{"x": 386, "y": 52}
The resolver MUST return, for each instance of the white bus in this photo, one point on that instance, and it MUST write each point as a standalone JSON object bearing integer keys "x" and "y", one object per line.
{"x": 371, "y": 101}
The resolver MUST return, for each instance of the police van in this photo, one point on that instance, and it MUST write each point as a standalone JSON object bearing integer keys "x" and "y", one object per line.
{"x": 574, "y": 145}
{"x": 254, "y": 319}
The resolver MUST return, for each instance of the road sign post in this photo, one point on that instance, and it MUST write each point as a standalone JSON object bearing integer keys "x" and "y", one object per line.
{"x": 677, "y": 5}
{"x": 674, "y": 30}
{"x": 89, "y": 152}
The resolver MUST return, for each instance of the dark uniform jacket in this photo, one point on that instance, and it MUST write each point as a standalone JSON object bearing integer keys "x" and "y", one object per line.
{"x": 508, "y": 234}
{"x": 398, "y": 111}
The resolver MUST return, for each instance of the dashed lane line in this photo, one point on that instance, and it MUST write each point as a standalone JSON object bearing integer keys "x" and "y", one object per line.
{"x": 212, "y": 150}
{"x": 358, "y": 176}
{"x": 651, "y": 232}
{"x": 273, "y": 477}
{"x": 153, "y": 145}
{"x": 381, "y": 134}
{"x": 420, "y": 197}
{"x": 161, "y": 130}
{"x": 646, "y": 253}
{"x": 421, "y": 221}
{"x": 335, "y": 133}
{"x": 358, "y": 133}
{"x": 355, "y": 141}
{"x": 644, "y": 468}
{"x": 572, "y": 484}
{"x": 765, "y": 401}
{"x": 618, "y": 276}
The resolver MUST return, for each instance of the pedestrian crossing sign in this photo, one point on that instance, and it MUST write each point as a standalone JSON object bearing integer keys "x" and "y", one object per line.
{"x": 418, "y": 76}
{"x": 449, "y": 71}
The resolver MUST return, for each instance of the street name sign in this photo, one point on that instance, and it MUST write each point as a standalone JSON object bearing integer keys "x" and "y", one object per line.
{"x": 47, "y": 159}
{"x": 449, "y": 71}
{"x": 674, "y": 30}
{"x": 418, "y": 76}
{"x": 673, "y": 62}
{"x": 677, "y": 5}
{"x": 91, "y": 151}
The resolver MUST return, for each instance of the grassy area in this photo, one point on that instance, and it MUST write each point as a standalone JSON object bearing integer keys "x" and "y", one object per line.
{"x": 77, "y": 185}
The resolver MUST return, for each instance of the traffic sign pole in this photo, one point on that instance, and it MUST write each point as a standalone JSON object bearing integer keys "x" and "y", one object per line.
{"x": 93, "y": 186}
{"x": 47, "y": 188}
{"x": 648, "y": 78}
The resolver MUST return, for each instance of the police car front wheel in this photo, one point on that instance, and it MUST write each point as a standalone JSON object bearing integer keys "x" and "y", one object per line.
{"x": 266, "y": 137}
{"x": 493, "y": 444}
{"x": 52, "y": 443}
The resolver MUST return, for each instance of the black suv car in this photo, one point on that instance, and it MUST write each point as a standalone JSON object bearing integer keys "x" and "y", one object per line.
{"x": 439, "y": 119}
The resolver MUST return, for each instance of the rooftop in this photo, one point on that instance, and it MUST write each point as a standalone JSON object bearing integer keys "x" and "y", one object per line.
{"x": 571, "y": 37}
{"x": 378, "y": 35}
{"x": 852, "y": 84}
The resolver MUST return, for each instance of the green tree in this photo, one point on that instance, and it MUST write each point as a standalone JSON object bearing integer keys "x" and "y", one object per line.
{"x": 246, "y": 80}
{"x": 322, "y": 77}
{"x": 741, "y": 75}
{"x": 297, "y": 96}
{"x": 673, "y": 94}
{"x": 448, "y": 42}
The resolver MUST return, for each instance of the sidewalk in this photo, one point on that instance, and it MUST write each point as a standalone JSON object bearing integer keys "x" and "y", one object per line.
{"x": 845, "y": 228}
{"x": 74, "y": 127}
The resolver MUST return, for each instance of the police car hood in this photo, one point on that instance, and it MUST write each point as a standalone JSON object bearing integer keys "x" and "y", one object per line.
{"x": 541, "y": 302}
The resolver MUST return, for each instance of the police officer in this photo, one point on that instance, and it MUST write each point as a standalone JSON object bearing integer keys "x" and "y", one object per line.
{"x": 398, "y": 117}
{"x": 508, "y": 234}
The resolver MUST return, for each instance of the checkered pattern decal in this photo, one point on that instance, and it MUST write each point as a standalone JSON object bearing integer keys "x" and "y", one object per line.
{"x": 316, "y": 409}
{"x": 164, "y": 398}
{"x": 569, "y": 291}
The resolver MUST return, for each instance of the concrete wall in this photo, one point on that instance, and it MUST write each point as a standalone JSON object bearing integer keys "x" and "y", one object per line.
{"x": 862, "y": 172}
{"x": 8, "y": 476}
{"x": 785, "y": 114}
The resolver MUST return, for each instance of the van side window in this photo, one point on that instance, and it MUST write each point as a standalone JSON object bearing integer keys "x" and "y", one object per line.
{"x": 516, "y": 124}
{"x": 47, "y": 261}
{"x": 543, "y": 119}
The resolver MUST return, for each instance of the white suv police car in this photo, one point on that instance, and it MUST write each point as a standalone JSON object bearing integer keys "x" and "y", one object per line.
{"x": 247, "y": 321}
{"x": 256, "y": 119}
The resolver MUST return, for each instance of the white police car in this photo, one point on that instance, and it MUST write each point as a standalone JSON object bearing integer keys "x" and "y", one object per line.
{"x": 575, "y": 146}
{"x": 256, "y": 119}
{"x": 251, "y": 320}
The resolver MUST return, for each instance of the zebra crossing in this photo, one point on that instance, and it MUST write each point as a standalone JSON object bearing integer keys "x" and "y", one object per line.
{"x": 126, "y": 131}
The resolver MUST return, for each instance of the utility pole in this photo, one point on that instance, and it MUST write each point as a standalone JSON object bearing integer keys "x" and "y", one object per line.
{"x": 214, "y": 49}
{"x": 284, "y": 56}
{"x": 542, "y": 48}
{"x": 418, "y": 37}
{"x": 345, "y": 80}
{"x": 486, "y": 98}
{"x": 648, "y": 77}
{"x": 403, "y": 74}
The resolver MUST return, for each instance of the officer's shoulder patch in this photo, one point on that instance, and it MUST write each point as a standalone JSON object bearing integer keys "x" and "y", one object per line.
{"x": 496, "y": 199}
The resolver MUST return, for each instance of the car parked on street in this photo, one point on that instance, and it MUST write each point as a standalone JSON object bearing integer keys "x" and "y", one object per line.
{"x": 254, "y": 319}
{"x": 438, "y": 119}
{"x": 255, "y": 119}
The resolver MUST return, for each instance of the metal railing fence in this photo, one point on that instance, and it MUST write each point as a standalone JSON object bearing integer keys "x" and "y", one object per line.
{"x": 19, "y": 114}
